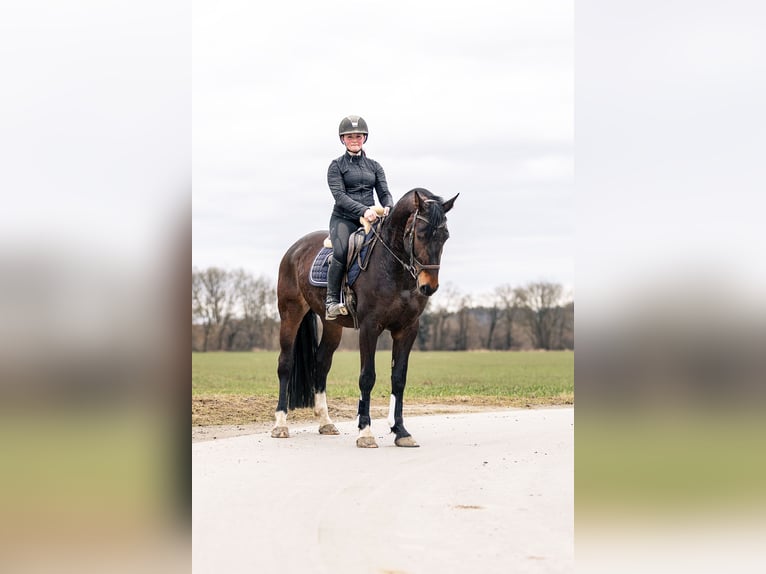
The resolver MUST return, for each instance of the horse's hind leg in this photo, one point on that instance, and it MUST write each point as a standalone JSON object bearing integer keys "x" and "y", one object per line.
{"x": 291, "y": 317}
{"x": 331, "y": 334}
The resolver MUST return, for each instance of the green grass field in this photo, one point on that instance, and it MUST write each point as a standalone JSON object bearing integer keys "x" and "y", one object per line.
{"x": 431, "y": 375}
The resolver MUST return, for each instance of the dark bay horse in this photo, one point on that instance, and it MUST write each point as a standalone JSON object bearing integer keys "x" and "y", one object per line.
{"x": 402, "y": 272}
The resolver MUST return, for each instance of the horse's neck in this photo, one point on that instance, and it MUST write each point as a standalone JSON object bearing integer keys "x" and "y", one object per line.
{"x": 393, "y": 238}
{"x": 393, "y": 235}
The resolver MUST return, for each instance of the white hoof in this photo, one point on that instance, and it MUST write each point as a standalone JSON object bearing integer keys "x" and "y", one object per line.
{"x": 280, "y": 432}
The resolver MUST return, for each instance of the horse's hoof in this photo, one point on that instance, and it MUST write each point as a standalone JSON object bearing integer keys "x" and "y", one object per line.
{"x": 366, "y": 442}
{"x": 328, "y": 429}
{"x": 280, "y": 432}
{"x": 406, "y": 441}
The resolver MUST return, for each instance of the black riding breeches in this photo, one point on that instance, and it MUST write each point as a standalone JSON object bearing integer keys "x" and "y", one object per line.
{"x": 340, "y": 232}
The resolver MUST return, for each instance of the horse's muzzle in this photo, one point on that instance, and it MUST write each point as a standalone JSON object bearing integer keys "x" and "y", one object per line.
{"x": 428, "y": 283}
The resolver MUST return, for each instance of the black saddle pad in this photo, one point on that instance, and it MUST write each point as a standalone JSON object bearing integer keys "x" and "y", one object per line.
{"x": 321, "y": 263}
{"x": 318, "y": 273}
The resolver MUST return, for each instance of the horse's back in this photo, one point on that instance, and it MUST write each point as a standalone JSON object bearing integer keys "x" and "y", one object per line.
{"x": 295, "y": 266}
{"x": 304, "y": 248}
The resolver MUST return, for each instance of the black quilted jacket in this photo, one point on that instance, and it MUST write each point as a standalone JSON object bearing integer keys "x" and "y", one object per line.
{"x": 352, "y": 180}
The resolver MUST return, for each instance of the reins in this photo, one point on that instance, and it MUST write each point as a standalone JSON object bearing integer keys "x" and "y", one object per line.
{"x": 414, "y": 266}
{"x": 407, "y": 267}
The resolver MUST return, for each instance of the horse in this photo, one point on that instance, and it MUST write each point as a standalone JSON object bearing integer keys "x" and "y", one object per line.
{"x": 402, "y": 272}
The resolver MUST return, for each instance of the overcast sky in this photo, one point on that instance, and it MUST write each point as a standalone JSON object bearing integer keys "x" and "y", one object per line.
{"x": 472, "y": 99}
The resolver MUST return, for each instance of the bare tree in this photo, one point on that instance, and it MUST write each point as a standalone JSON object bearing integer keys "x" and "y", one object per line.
{"x": 540, "y": 312}
{"x": 256, "y": 303}
{"x": 441, "y": 310}
{"x": 425, "y": 331}
{"x": 488, "y": 313}
{"x": 508, "y": 303}
{"x": 566, "y": 333}
{"x": 200, "y": 311}
{"x": 212, "y": 302}
{"x": 463, "y": 315}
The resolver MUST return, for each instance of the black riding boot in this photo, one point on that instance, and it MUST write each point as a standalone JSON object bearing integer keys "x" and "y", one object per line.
{"x": 333, "y": 306}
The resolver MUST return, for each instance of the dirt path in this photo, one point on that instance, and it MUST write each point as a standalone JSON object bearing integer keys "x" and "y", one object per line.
{"x": 487, "y": 492}
{"x": 214, "y": 432}
{"x": 222, "y": 416}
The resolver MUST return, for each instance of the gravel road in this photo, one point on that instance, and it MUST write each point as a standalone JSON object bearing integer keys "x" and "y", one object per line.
{"x": 486, "y": 492}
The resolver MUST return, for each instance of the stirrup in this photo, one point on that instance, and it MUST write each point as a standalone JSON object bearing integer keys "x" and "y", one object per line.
{"x": 333, "y": 310}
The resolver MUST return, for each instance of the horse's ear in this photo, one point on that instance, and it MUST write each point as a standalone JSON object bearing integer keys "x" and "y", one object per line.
{"x": 420, "y": 200}
{"x": 449, "y": 203}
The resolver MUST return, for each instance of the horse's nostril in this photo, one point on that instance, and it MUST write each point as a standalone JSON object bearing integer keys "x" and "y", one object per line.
{"x": 427, "y": 290}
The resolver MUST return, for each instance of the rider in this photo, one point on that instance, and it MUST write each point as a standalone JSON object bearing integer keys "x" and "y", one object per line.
{"x": 352, "y": 178}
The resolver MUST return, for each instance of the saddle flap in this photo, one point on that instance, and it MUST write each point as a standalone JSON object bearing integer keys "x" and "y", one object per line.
{"x": 355, "y": 244}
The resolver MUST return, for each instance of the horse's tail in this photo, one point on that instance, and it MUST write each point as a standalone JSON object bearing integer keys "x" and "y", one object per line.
{"x": 300, "y": 388}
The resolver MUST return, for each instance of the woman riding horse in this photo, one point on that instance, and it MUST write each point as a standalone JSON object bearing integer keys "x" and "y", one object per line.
{"x": 402, "y": 272}
{"x": 352, "y": 178}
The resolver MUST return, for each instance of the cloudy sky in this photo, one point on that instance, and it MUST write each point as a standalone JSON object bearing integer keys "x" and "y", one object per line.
{"x": 476, "y": 100}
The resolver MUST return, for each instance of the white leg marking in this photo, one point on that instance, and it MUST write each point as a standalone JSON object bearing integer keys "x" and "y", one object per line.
{"x": 391, "y": 408}
{"x": 366, "y": 431}
{"x": 281, "y": 417}
{"x": 320, "y": 409}
{"x": 356, "y": 421}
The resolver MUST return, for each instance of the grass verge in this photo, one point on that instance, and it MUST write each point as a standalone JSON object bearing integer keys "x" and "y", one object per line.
{"x": 240, "y": 388}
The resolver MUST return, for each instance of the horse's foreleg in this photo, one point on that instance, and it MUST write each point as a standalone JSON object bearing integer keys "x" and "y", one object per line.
{"x": 331, "y": 334}
{"x": 402, "y": 344}
{"x": 368, "y": 340}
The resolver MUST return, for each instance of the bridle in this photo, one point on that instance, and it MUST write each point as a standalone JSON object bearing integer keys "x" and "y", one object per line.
{"x": 414, "y": 267}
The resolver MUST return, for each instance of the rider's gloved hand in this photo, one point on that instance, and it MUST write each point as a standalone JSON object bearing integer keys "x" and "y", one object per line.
{"x": 370, "y": 215}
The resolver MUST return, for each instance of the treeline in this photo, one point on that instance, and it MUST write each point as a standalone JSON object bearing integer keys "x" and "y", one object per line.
{"x": 538, "y": 315}
{"x": 234, "y": 311}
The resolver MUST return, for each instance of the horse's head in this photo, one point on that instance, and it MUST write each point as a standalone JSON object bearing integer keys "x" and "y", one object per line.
{"x": 425, "y": 233}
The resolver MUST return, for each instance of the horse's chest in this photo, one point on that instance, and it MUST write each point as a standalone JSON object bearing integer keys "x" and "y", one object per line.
{"x": 408, "y": 305}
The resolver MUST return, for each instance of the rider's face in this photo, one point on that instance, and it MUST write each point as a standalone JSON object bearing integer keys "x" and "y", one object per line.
{"x": 353, "y": 142}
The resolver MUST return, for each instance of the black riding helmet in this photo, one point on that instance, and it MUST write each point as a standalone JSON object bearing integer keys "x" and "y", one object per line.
{"x": 353, "y": 125}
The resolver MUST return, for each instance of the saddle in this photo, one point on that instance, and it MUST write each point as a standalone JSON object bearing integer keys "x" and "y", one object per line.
{"x": 359, "y": 248}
